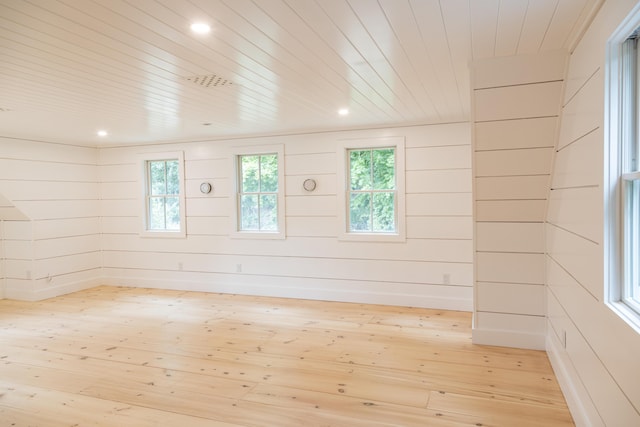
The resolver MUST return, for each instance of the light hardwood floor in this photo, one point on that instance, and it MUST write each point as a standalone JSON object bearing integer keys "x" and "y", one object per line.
{"x": 113, "y": 356}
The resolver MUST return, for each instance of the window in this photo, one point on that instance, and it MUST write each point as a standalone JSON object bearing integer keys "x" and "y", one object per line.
{"x": 372, "y": 190}
{"x": 623, "y": 194}
{"x": 259, "y": 193}
{"x": 373, "y": 200}
{"x": 163, "y": 195}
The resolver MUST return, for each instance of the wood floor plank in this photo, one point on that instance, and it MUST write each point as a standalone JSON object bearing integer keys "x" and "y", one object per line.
{"x": 130, "y": 356}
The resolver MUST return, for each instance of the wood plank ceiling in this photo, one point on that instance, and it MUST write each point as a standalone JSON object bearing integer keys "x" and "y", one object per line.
{"x": 134, "y": 68}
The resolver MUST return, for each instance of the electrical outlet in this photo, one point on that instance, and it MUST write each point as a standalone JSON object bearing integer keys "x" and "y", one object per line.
{"x": 180, "y": 266}
{"x": 446, "y": 279}
{"x": 238, "y": 268}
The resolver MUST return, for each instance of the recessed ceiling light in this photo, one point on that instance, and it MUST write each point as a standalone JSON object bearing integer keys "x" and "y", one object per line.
{"x": 343, "y": 111}
{"x": 102, "y": 133}
{"x": 200, "y": 28}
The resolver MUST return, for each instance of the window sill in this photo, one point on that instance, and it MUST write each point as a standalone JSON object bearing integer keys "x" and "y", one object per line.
{"x": 258, "y": 235}
{"x": 626, "y": 313}
{"x": 164, "y": 234}
{"x": 372, "y": 237}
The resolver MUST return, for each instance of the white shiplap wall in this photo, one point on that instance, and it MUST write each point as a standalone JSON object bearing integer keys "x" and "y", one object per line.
{"x": 432, "y": 268}
{"x": 516, "y": 106}
{"x": 51, "y": 224}
{"x": 594, "y": 352}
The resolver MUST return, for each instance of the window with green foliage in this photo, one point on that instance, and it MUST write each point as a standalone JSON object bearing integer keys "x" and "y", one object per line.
{"x": 372, "y": 190}
{"x": 163, "y": 195}
{"x": 258, "y": 192}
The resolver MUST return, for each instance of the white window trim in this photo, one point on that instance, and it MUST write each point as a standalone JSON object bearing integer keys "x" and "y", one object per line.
{"x": 613, "y": 177}
{"x": 256, "y": 150}
{"x": 344, "y": 146}
{"x": 142, "y": 161}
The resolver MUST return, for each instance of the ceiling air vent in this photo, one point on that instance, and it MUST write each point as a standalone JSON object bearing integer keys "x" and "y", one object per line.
{"x": 210, "y": 81}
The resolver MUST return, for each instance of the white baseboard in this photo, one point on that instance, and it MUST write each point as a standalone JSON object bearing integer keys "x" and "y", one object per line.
{"x": 508, "y": 339}
{"x": 254, "y": 288}
{"x": 54, "y": 291}
{"x": 582, "y": 409}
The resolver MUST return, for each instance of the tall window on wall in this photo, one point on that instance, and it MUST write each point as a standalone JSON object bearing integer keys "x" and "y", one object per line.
{"x": 163, "y": 179}
{"x": 372, "y": 205}
{"x": 623, "y": 237}
{"x": 259, "y": 193}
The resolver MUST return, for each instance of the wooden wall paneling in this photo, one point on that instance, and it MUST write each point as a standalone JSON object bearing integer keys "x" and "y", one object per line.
{"x": 583, "y": 113}
{"x": 578, "y": 210}
{"x": 510, "y": 210}
{"x": 314, "y": 164}
{"x": 601, "y": 366}
{"x": 314, "y": 205}
{"x": 520, "y": 323}
{"x": 512, "y": 188}
{"x": 504, "y": 103}
{"x": 438, "y": 204}
{"x": 312, "y": 226}
{"x": 534, "y": 161}
{"x": 580, "y": 163}
{"x": 511, "y": 298}
{"x": 580, "y": 256}
{"x": 434, "y": 158}
{"x": 438, "y": 250}
{"x": 510, "y": 237}
{"x": 520, "y": 69}
{"x": 435, "y": 227}
{"x": 439, "y": 181}
{"x": 512, "y": 134}
{"x": 510, "y": 267}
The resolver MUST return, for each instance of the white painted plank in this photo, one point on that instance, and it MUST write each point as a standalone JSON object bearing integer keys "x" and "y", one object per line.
{"x": 510, "y": 268}
{"x": 510, "y": 298}
{"x": 583, "y": 258}
{"x": 436, "y": 158}
{"x": 603, "y": 349}
{"x": 519, "y": 70}
{"x": 310, "y": 164}
{"x": 510, "y": 237}
{"x": 512, "y": 188}
{"x": 513, "y": 134}
{"x": 518, "y": 102}
{"x": 533, "y": 161}
{"x": 511, "y": 210}
{"x": 580, "y": 164}
{"x": 510, "y": 21}
{"x": 522, "y": 324}
{"x": 439, "y": 181}
{"x": 440, "y": 227}
{"x": 539, "y": 14}
{"x": 578, "y": 210}
{"x": 439, "y": 204}
{"x": 584, "y": 112}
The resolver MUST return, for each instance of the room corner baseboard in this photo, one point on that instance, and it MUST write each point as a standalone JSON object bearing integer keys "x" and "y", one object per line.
{"x": 508, "y": 339}
{"x": 51, "y": 292}
{"x": 580, "y": 405}
{"x": 407, "y": 300}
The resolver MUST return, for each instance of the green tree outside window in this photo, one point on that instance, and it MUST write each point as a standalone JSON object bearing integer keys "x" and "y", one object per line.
{"x": 163, "y": 195}
{"x": 258, "y": 192}
{"x": 372, "y": 190}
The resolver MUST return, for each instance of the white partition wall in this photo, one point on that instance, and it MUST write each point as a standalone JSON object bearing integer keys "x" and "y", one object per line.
{"x": 432, "y": 268}
{"x": 516, "y": 106}
{"x": 50, "y": 232}
{"x": 593, "y": 351}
